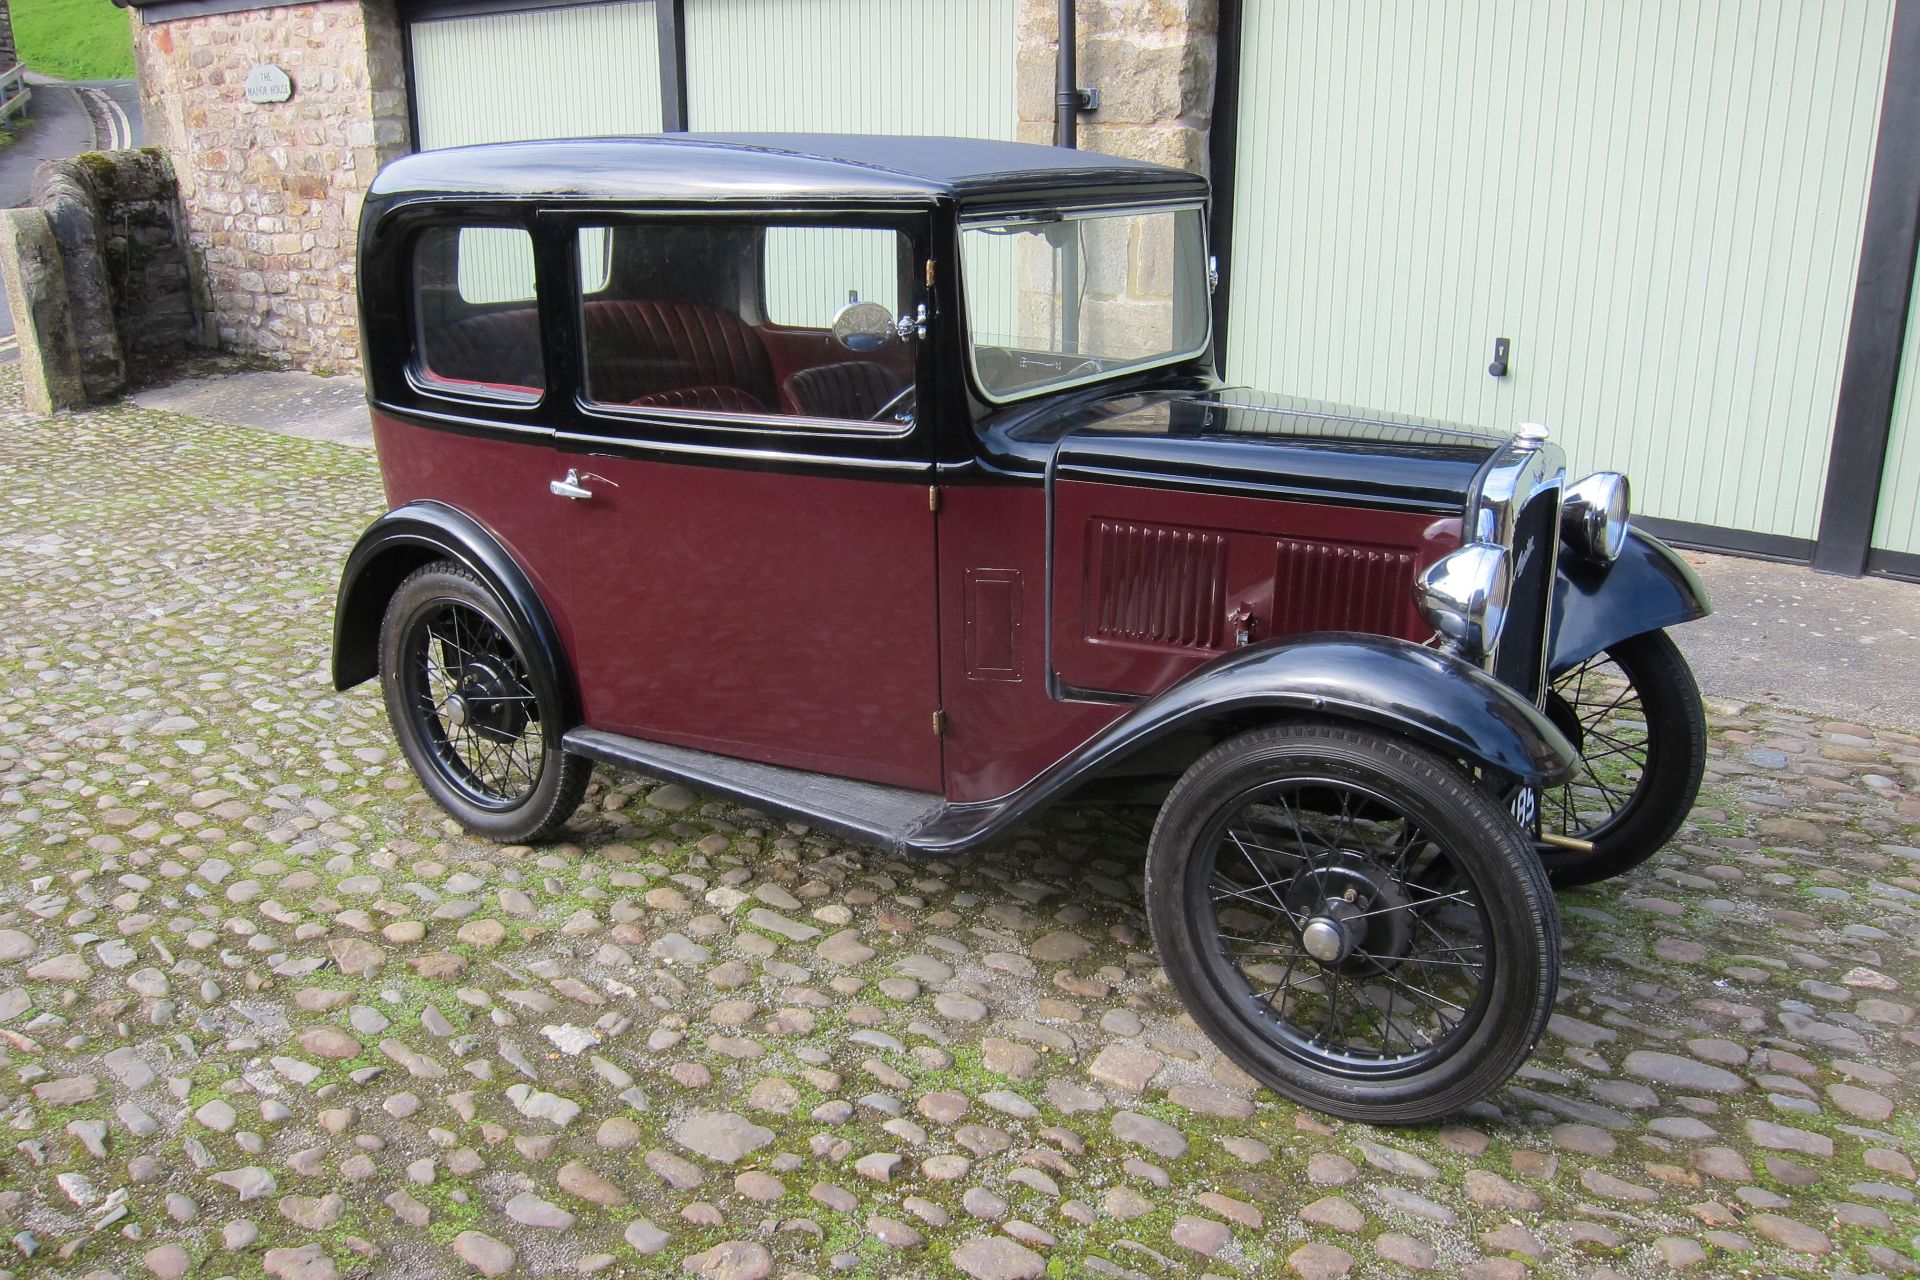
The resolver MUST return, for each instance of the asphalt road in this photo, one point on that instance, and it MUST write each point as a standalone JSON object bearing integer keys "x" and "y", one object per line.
{"x": 58, "y": 124}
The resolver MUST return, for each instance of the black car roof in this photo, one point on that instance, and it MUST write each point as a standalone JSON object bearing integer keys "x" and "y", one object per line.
{"x": 770, "y": 166}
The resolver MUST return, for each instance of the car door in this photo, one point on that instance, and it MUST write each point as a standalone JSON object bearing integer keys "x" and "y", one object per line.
{"x": 752, "y": 568}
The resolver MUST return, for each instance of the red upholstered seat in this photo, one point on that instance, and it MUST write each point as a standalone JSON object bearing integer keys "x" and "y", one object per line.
{"x": 670, "y": 355}
{"x": 714, "y": 399}
{"x": 498, "y": 349}
{"x": 637, "y": 349}
{"x": 850, "y": 389}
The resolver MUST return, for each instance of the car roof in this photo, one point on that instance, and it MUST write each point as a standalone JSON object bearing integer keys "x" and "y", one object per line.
{"x": 772, "y": 167}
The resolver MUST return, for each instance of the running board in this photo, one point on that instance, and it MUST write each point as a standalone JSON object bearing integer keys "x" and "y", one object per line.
{"x": 895, "y": 817}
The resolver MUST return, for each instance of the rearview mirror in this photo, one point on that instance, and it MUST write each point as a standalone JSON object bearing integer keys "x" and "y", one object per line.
{"x": 863, "y": 326}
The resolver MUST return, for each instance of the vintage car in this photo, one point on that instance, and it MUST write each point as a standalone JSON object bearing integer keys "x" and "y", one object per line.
{"x": 889, "y": 483}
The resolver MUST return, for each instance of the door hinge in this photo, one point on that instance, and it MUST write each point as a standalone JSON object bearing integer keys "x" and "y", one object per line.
{"x": 933, "y": 497}
{"x": 929, "y": 273}
{"x": 939, "y": 723}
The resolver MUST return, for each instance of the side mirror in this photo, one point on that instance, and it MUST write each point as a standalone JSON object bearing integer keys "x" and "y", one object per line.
{"x": 863, "y": 326}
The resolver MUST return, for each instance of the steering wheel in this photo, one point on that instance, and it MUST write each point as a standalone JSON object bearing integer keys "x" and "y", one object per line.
{"x": 995, "y": 365}
{"x": 892, "y": 407}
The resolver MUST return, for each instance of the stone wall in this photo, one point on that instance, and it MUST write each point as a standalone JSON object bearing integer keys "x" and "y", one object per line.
{"x": 35, "y": 279}
{"x": 130, "y": 286}
{"x": 1153, "y": 62}
{"x": 272, "y": 191}
{"x": 8, "y": 55}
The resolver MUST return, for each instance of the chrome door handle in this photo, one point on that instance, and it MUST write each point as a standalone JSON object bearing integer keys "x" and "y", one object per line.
{"x": 569, "y": 487}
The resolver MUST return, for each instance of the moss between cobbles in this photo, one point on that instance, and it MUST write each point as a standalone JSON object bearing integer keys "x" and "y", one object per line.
{"x": 448, "y": 1216}
{"x": 402, "y": 810}
{"x": 204, "y": 1081}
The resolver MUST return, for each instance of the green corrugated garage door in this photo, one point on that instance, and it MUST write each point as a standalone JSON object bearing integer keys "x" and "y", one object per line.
{"x": 548, "y": 73}
{"x": 859, "y": 66}
{"x": 1660, "y": 204}
{"x": 1897, "y": 527}
{"x": 853, "y": 66}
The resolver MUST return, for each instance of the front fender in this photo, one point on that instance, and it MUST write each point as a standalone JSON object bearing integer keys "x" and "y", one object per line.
{"x": 1594, "y": 605}
{"x": 1436, "y": 699}
{"x": 418, "y": 533}
{"x": 1451, "y": 706}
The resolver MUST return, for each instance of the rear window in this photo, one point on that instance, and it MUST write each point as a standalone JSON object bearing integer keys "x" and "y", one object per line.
{"x": 477, "y": 330}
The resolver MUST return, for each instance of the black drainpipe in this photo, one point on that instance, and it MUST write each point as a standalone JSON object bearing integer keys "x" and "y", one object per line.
{"x": 1065, "y": 128}
{"x": 1066, "y": 87}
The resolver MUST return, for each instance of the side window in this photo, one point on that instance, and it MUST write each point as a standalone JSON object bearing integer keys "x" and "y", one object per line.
{"x": 724, "y": 319}
{"x": 809, "y": 273}
{"x": 596, "y": 261}
{"x": 476, "y": 325}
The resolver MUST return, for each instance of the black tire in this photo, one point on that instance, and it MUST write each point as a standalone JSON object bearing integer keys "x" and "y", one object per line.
{"x": 1634, "y": 712}
{"x": 1225, "y": 835}
{"x": 467, "y": 708}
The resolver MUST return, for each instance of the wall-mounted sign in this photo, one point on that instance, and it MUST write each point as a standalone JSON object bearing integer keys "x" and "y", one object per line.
{"x": 268, "y": 83}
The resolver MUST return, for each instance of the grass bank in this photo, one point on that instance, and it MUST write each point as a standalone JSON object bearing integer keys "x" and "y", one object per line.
{"x": 74, "y": 39}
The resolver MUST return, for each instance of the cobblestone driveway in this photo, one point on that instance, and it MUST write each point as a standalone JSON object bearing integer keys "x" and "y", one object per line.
{"x": 263, "y": 1010}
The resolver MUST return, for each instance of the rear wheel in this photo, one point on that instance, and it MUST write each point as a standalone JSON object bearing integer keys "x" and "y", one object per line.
{"x": 467, "y": 708}
{"x": 1353, "y": 921}
{"x": 1634, "y": 712}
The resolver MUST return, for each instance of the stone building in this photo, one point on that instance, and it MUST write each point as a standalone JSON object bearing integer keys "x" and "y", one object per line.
{"x": 1484, "y": 210}
{"x": 272, "y": 189}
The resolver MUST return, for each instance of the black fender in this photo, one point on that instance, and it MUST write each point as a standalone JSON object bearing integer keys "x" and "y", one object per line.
{"x": 1596, "y": 605}
{"x": 418, "y": 533}
{"x": 1430, "y": 697}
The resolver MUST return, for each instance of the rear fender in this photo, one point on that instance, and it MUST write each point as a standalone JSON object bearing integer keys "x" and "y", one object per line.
{"x": 419, "y": 533}
{"x": 1594, "y": 606}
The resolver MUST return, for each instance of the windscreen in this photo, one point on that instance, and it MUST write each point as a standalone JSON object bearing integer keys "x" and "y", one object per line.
{"x": 1076, "y": 296}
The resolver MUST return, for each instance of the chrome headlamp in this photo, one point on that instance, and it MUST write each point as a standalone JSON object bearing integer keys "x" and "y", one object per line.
{"x": 1593, "y": 516}
{"x": 1464, "y": 597}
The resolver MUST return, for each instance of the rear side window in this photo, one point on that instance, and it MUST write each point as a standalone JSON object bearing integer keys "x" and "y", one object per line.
{"x": 477, "y": 330}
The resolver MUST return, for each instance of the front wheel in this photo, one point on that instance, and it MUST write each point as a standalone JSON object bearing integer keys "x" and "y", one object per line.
{"x": 469, "y": 712}
{"x": 1634, "y": 712}
{"x": 1353, "y": 921}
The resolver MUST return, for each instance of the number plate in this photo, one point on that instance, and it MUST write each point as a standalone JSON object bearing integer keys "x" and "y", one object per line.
{"x": 1526, "y": 809}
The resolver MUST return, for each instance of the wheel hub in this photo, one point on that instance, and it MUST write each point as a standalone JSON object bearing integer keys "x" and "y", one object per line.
{"x": 1349, "y": 909}
{"x": 483, "y": 699}
{"x": 1325, "y": 940}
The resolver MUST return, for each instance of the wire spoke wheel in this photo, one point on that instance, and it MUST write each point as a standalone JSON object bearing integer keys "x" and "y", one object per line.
{"x": 1597, "y": 705}
{"x": 1633, "y": 712}
{"x": 1346, "y": 928}
{"x": 478, "y": 720}
{"x": 1353, "y": 920}
{"x": 472, "y": 697}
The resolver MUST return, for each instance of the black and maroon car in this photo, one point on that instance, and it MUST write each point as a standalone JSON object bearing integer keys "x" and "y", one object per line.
{"x": 888, "y": 483}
